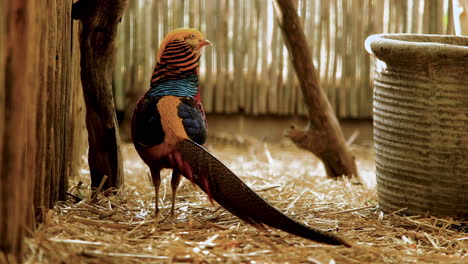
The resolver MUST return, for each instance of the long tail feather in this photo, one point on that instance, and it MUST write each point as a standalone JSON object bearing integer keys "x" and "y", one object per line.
{"x": 229, "y": 191}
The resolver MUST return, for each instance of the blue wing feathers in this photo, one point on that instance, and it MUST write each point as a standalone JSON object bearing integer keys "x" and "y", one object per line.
{"x": 193, "y": 120}
{"x": 147, "y": 126}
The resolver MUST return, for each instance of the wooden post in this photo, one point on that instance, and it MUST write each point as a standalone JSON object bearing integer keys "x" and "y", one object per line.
{"x": 18, "y": 98}
{"x": 323, "y": 135}
{"x": 41, "y": 141}
{"x": 99, "y": 20}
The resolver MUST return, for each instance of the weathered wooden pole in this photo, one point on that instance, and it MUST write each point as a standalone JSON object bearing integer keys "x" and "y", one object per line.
{"x": 99, "y": 20}
{"x": 323, "y": 135}
{"x": 17, "y": 123}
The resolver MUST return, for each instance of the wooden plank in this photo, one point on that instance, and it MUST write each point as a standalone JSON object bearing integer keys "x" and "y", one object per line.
{"x": 51, "y": 109}
{"x": 46, "y": 60}
{"x": 3, "y": 21}
{"x": 20, "y": 33}
{"x": 61, "y": 98}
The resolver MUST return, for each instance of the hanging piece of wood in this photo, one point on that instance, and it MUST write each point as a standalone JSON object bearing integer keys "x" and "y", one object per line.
{"x": 323, "y": 135}
{"x": 99, "y": 20}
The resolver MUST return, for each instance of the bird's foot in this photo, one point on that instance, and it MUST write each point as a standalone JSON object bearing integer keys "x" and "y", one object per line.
{"x": 156, "y": 213}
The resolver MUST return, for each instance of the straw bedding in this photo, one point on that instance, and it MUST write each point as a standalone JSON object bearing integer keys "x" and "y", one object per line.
{"x": 121, "y": 228}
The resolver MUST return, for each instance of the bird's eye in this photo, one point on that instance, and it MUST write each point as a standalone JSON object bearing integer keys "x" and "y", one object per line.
{"x": 192, "y": 36}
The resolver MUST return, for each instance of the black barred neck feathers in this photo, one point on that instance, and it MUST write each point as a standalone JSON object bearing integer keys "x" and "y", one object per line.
{"x": 177, "y": 71}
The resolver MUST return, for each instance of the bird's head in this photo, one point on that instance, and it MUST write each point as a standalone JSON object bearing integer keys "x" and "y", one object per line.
{"x": 192, "y": 37}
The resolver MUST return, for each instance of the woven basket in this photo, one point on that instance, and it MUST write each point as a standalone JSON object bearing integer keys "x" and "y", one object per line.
{"x": 421, "y": 123}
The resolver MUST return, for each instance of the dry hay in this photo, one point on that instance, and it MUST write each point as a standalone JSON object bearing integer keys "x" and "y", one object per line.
{"x": 121, "y": 228}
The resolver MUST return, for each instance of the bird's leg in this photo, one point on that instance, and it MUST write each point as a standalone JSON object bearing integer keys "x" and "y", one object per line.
{"x": 155, "y": 175}
{"x": 175, "y": 180}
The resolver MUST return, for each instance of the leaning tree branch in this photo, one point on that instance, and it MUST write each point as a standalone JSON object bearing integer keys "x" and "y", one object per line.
{"x": 99, "y": 20}
{"x": 323, "y": 135}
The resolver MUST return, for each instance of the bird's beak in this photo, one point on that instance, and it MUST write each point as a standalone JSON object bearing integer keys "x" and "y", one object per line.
{"x": 204, "y": 42}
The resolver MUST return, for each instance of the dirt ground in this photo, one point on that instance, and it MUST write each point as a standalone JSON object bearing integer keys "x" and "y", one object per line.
{"x": 121, "y": 228}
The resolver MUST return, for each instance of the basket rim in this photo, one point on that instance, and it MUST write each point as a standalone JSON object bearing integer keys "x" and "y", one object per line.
{"x": 380, "y": 45}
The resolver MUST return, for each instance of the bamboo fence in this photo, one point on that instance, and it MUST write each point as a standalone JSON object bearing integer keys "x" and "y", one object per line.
{"x": 248, "y": 70}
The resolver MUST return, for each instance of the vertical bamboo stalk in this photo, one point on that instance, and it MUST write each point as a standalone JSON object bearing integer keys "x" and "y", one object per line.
{"x": 355, "y": 52}
{"x": 229, "y": 100}
{"x": 220, "y": 53}
{"x": 155, "y": 37}
{"x": 310, "y": 24}
{"x": 365, "y": 84}
{"x": 263, "y": 83}
{"x": 208, "y": 87}
{"x": 148, "y": 54}
{"x": 415, "y": 25}
{"x": 393, "y": 18}
{"x": 245, "y": 55}
{"x": 433, "y": 13}
{"x": 192, "y": 12}
{"x": 449, "y": 29}
{"x": 318, "y": 36}
{"x": 326, "y": 79}
{"x": 343, "y": 59}
{"x": 335, "y": 55}
{"x": 281, "y": 73}
{"x": 165, "y": 15}
{"x": 404, "y": 16}
{"x": 251, "y": 92}
{"x": 237, "y": 54}
{"x": 274, "y": 70}
{"x": 289, "y": 90}
{"x": 309, "y": 15}
{"x": 426, "y": 17}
